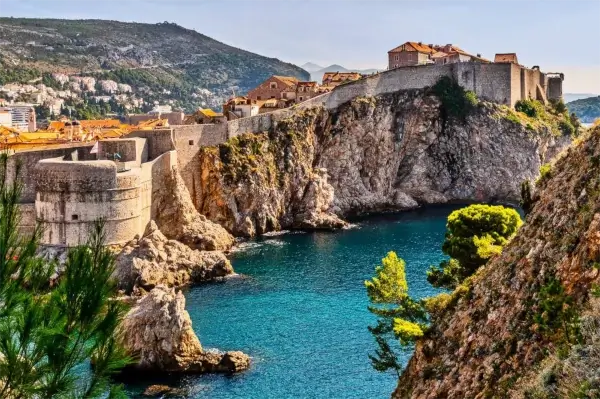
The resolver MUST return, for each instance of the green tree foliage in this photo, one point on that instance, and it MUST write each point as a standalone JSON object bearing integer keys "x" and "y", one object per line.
{"x": 456, "y": 101}
{"x": 398, "y": 315}
{"x": 47, "y": 332}
{"x": 473, "y": 235}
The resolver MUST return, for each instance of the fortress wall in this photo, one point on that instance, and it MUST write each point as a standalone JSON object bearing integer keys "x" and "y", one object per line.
{"x": 490, "y": 82}
{"x": 131, "y": 149}
{"x": 530, "y": 78}
{"x": 72, "y": 195}
{"x": 153, "y": 184}
{"x": 254, "y": 124}
{"x": 29, "y": 159}
{"x": 28, "y": 219}
{"x": 158, "y": 141}
{"x": 189, "y": 139}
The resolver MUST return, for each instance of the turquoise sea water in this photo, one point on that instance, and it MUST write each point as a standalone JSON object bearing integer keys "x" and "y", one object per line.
{"x": 300, "y": 309}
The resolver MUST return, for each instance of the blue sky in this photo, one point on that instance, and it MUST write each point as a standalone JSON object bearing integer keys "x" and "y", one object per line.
{"x": 557, "y": 35}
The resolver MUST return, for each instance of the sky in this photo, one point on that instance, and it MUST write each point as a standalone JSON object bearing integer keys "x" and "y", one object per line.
{"x": 559, "y": 36}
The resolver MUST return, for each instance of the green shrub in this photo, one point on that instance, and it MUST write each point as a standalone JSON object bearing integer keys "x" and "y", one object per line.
{"x": 531, "y": 108}
{"x": 558, "y": 106}
{"x": 456, "y": 101}
{"x": 556, "y": 311}
{"x": 566, "y": 128}
{"x": 473, "y": 235}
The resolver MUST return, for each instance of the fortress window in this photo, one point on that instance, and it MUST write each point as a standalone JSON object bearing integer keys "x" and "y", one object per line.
{"x": 74, "y": 217}
{"x": 273, "y": 85}
{"x": 191, "y": 142}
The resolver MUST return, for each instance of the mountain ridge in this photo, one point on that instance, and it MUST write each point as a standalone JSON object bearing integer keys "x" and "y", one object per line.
{"x": 163, "y": 56}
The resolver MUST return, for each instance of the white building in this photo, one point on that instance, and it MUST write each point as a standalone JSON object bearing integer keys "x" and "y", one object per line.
{"x": 22, "y": 117}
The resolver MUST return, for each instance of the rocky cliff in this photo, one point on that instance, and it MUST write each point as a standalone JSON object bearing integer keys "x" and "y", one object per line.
{"x": 527, "y": 325}
{"x": 390, "y": 152}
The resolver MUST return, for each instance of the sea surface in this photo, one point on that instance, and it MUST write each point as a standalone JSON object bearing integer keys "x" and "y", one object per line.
{"x": 299, "y": 309}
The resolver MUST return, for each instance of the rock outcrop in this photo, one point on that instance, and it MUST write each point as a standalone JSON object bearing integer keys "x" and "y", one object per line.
{"x": 389, "y": 152}
{"x": 497, "y": 334}
{"x": 179, "y": 220}
{"x": 154, "y": 260}
{"x": 158, "y": 333}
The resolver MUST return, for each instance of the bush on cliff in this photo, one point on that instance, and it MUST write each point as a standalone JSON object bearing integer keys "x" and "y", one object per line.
{"x": 47, "y": 332}
{"x": 531, "y": 108}
{"x": 399, "y": 316}
{"x": 473, "y": 235}
{"x": 456, "y": 101}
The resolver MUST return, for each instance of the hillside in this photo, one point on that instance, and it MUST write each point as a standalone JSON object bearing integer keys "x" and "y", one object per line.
{"x": 586, "y": 109}
{"x": 158, "y": 58}
{"x": 526, "y": 324}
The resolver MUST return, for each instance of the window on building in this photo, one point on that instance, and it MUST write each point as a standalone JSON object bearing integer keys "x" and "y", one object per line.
{"x": 272, "y": 96}
{"x": 258, "y": 97}
{"x": 74, "y": 217}
{"x": 396, "y": 58}
{"x": 273, "y": 85}
{"x": 191, "y": 142}
{"x": 301, "y": 98}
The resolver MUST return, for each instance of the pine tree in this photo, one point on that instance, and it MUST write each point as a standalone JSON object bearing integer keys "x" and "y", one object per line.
{"x": 398, "y": 315}
{"x": 473, "y": 235}
{"x": 46, "y": 332}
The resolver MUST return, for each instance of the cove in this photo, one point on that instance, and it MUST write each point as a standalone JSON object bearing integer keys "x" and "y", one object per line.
{"x": 300, "y": 309}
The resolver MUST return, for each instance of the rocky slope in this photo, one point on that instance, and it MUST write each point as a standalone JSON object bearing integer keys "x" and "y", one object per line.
{"x": 389, "y": 152}
{"x": 155, "y": 260}
{"x": 152, "y": 58}
{"x": 526, "y": 325}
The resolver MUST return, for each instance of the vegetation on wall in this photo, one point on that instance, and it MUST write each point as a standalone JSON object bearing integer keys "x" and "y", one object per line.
{"x": 474, "y": 234}
{"x": 456, "y": 101}
{"x": 48, "y": 333}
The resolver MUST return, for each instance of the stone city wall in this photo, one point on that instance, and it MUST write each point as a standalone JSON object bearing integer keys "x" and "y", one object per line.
{"x": 72, "y": 195}
{"x": 158, "y": 141}
{"x": 28, "y": 160}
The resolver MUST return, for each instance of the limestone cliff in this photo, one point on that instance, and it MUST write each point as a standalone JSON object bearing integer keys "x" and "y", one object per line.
{"x": 389, "y": 152}
{"x": 526, "y": 325}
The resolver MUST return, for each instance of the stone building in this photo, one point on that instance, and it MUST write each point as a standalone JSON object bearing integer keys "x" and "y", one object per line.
{"x": 413, "y": 53}
{"x": 410, "y": 54}
{"x": 274, "y": 87}
{"x": 240, "y": 107}
{"x": 306, "y": 90}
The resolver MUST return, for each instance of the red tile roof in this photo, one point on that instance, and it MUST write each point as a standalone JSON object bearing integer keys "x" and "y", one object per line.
{"x": 413, "y": 46}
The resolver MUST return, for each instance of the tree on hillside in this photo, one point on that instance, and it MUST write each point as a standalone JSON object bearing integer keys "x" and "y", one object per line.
{"x": 47, "y": 332}
{"x": 398, "y": 315}
{"x": 473, "y": 235}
